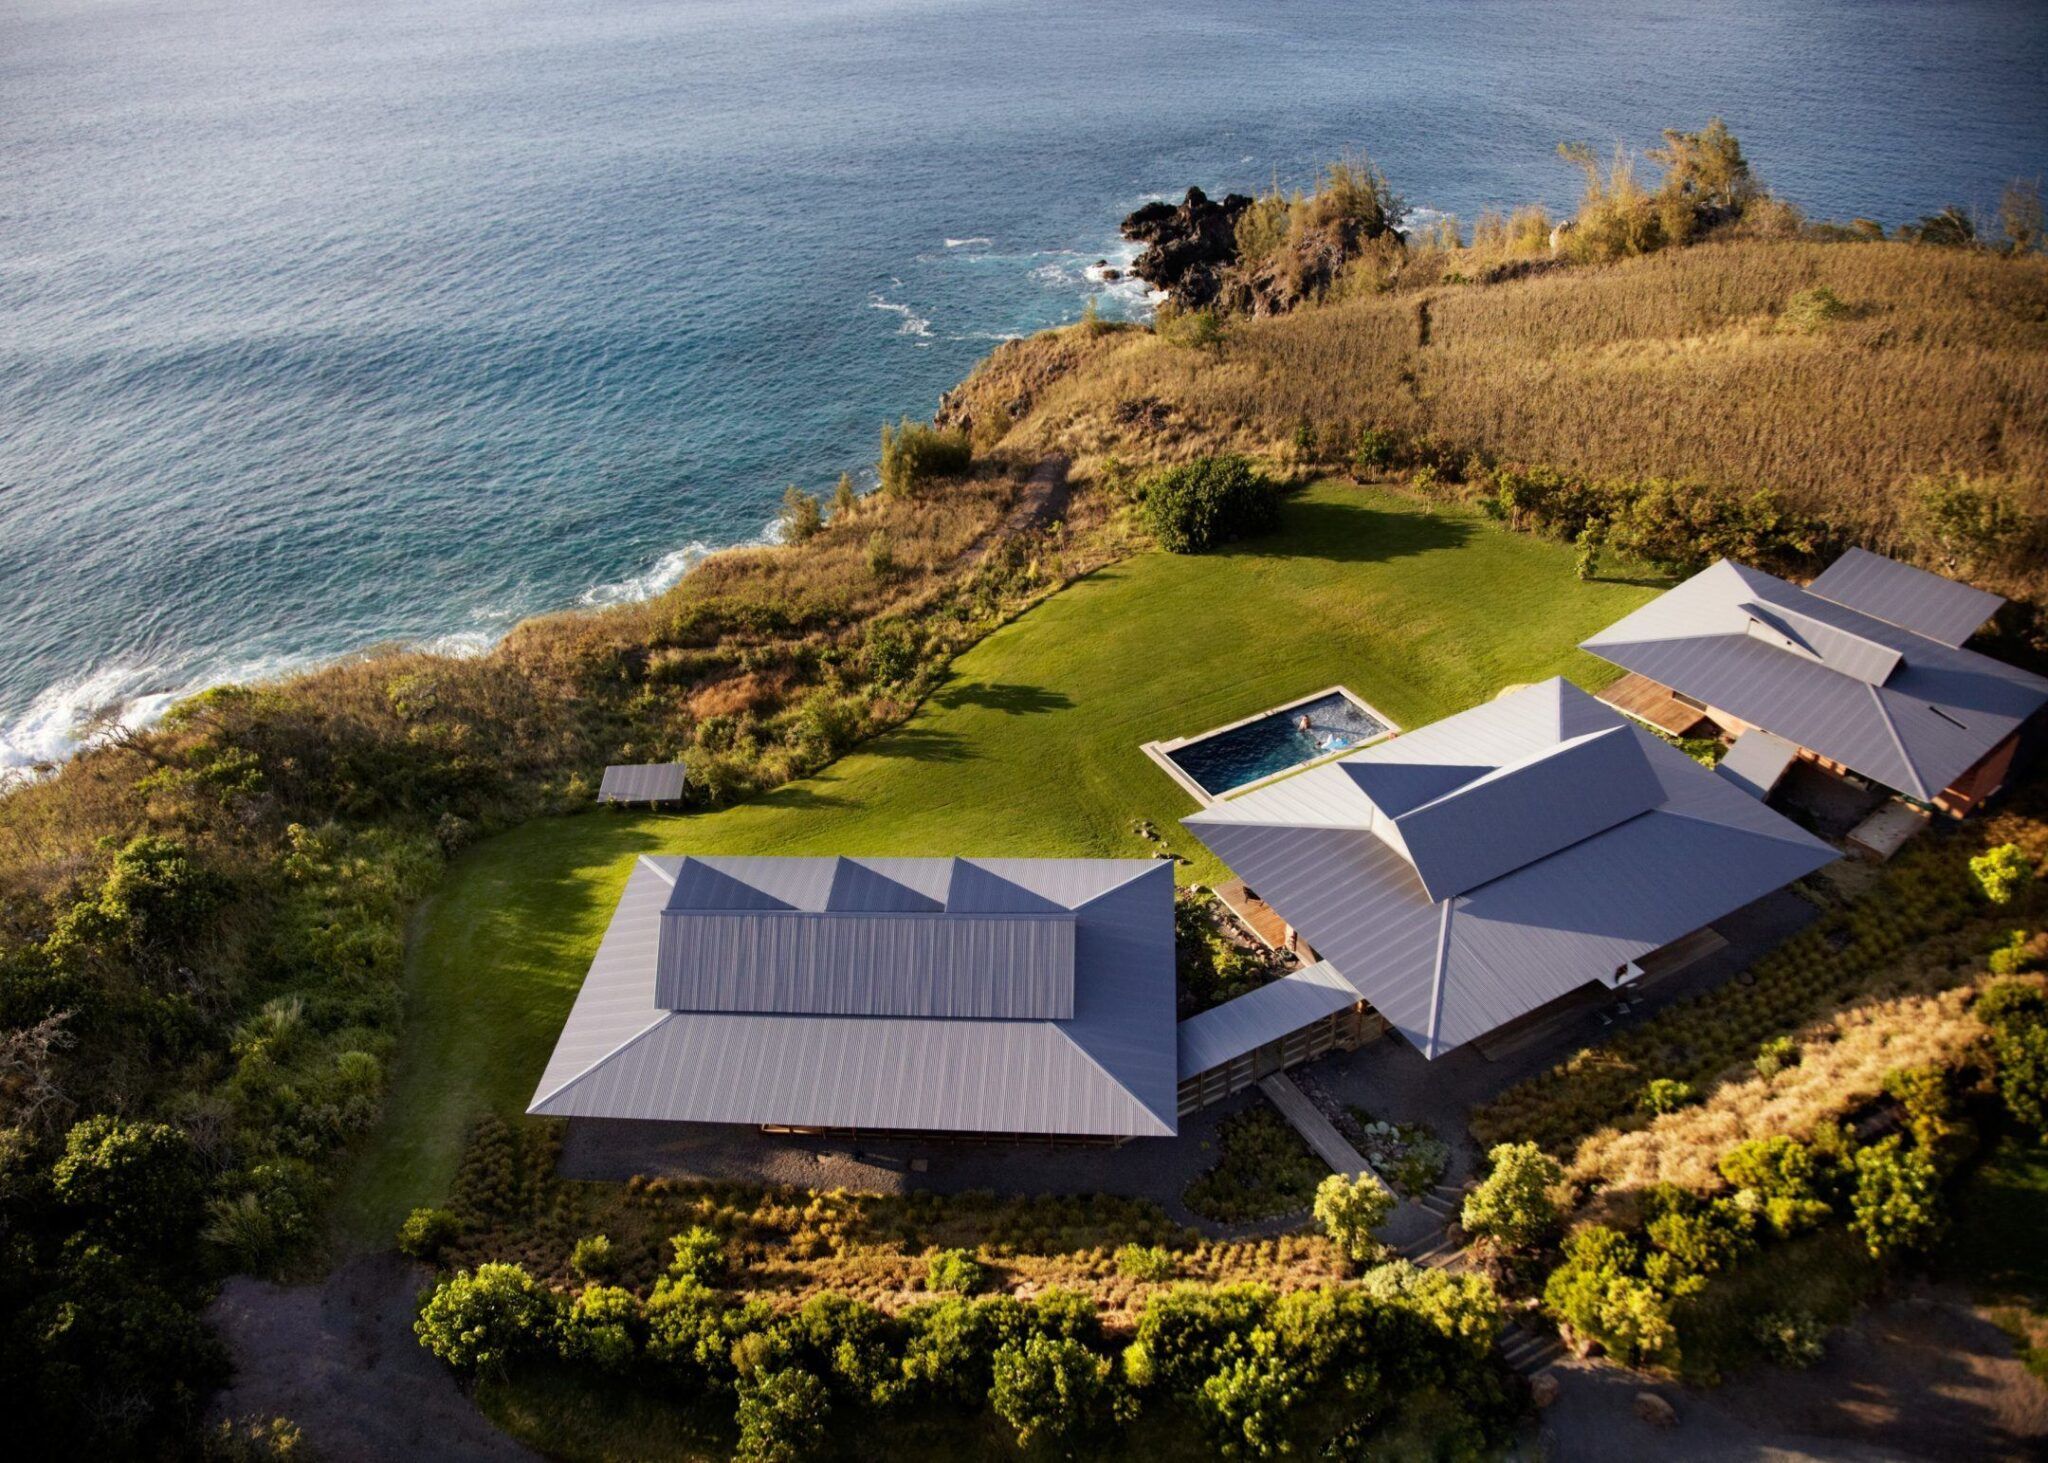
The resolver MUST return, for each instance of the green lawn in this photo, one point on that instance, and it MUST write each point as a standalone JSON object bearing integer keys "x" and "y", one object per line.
{"x": 1031, "y": 747}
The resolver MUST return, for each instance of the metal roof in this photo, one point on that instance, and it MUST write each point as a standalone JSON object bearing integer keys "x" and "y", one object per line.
{"x": 1899, "y": 594}
{"x": 1218, "y": 1035}
{"x": 650, "y": 782}
{"x": 1757, "y": 762}
{"x": 1108, "y": 1069}
{"x": 1904, "y": 710}
{"x": 1329, "y": 859}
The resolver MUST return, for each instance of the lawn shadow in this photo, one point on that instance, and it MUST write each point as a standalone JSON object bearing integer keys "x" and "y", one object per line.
{"x": 924, "y": 744}
{"x": 1354, "y": 533}
{"x": 1006, "y": 697}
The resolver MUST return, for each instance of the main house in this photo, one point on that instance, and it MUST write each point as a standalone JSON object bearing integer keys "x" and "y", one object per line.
{"x": 932, "y": 995}
{"x": 1862, "y": 671}
{"x": 1468, "y": 873}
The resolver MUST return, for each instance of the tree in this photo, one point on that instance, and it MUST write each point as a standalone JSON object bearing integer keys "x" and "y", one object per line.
{"x": 2019, "y": 215}
{"x": 1207, "y": 502}
{"x": 1952, "y": 228}
{"x": 1598, "y": 1293}
{"x": 782, "y": 1418}
{"x": 1515, "y": 1204}
{"x": 134, "y": 1185}
{"x": 603, "y": 1328}
{"x": 1349, "y": 1209}
{"x": 699, "y": 1256}
{"x": 844, "y": 498}
{"x": 1896, "y": 1201}
{"x": 427, "y": 1232}
{"x": 1461, "y": 1305}
{"x": 2002, "y": 873}
{"x": 488, "y": 1318}
{"x": 1706, "y": 172}
{"x": 594, "y": 1257}
{"x": 955, "y": 1270}
{"x": 1054, "y": 1392}
{"x": 801, "y": 516}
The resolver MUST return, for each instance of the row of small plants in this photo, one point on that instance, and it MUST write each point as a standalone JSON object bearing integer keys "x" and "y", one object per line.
{"x": 1255, "y": 1371}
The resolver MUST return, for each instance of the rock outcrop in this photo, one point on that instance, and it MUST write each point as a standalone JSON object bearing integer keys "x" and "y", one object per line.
{"x": 1188, "y": 247}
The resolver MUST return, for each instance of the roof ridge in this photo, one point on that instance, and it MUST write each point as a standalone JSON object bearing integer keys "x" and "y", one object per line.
{"x": 661, "y": 1019}
{"x": 1172, "y": 1123}
{"x": 1884, "y": 715}
{"x": 1436, "y": 984}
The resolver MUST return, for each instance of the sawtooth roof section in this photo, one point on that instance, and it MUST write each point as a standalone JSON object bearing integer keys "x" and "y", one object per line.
{"x": 1913, "y": 599}
{"x": 1446, "y": 971}
{"x": 1110, "y": 1070}
{"x": 1223, "y": 1033}
{"x": 1934, "y": 716}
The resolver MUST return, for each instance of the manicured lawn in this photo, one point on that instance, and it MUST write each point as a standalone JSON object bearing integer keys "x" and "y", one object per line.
{"x": 1030, "y": 748}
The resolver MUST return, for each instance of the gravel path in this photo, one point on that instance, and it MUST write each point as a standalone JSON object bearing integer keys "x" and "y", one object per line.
{"x": 339, "y": 1358}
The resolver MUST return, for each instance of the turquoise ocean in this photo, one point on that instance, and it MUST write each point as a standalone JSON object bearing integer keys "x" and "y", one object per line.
{"x": 327, "y": 323}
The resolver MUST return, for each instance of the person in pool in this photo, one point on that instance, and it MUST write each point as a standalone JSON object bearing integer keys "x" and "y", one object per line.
{"x": 1302, "y": 723}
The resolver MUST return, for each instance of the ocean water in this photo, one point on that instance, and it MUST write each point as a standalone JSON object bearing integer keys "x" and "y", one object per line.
{"x": 326, "y": 323}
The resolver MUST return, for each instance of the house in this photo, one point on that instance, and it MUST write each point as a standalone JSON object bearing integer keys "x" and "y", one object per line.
{"x": 1471, "y": 872}
{"x": 1013, "y": 997}
{"x": 1862, "y": 671}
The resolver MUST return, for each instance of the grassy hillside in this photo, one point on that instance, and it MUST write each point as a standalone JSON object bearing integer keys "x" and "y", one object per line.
{"x": 1029, "y": 747}
{"x": 1680, "y": 364}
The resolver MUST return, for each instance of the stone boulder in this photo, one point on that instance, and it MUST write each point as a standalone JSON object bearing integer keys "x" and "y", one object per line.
{"x": 1654, "y": 1410}
{"x": 1188, "y": 246}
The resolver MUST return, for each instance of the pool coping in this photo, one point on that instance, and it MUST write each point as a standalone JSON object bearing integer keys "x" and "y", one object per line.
{"x": 1158, "y": 750}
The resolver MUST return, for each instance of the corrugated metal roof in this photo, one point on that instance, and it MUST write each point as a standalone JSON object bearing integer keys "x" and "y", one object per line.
{"x": 1444, "y": 972}
{"x": 1757, "y": 762}
{"x": 651, "y": 782}
{"x": 1006, "y": 967}
{"x": 1855, "y": 656}
{"x": 1899, "y": 594}
{"x": 1937, "y": 713}
{"x": 1222, "y": 1033}
{"x": 1111, "y": 1069}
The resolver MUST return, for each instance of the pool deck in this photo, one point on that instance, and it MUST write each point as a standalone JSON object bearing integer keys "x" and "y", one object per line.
{"x": 1158, "y": 750}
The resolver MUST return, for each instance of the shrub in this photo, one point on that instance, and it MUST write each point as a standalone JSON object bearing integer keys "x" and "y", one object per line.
{"x": 914, "y": 455}
{"x": 603, "y": 1328}
{"x": 426, "y": 1233}
{"x": 1516, "y": 1204}
{"x": 1376, "y": 451}
{"x": 699, "y": 1256}
{"x": 2012, "y": 1003}
{"x": 844, "y": 498}
{"x": 881, "y": 554}
{"x": 1598, "y": 1295}
{"x": 1896, "y": 1200}
{"x": 1145, "y": 1262}
{"x": 1349, "y": 1209}
{"x": 1791, "y": 1338}
{"x": 1814, "y": 309}
{"x": 801, "y": 515}
{"x": 955, "y": 1271}
{"x": 1666, "y": 1094}
{"x": 135, "y": 1185}
{"x": 1460, "y": 1304}
{"x": 949, "y": 1344}
{"x": 1193, "y": 329}
{"x": 1775, "y": 1055}
{"x": 2018, "y": 953}
{"x": 2022, "y": 1050}
{"x": 1210, "y": 501}
{"x": 1053, "y": 1392}
{"x": 1182, "y": 1330}
{"x": 2002, "y": 873}
{"x": 1264, "y": 1169}
{"x": 783, "y": 1418}
{"x": 594, "y": 1257}
{"x": 1783, "y": 1180}
{"x": 1696, "y": 1242}
{"x": 494, "y": 1316}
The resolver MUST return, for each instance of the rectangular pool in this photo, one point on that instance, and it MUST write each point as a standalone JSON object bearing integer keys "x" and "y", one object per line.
{"x": 1235, "y": 756}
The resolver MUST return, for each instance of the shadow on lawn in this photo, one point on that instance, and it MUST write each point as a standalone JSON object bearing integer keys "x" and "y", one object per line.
{"x": 1002, "y": 696}
{"x": 1353, "y": 533}
{"x": 922, "y": 744}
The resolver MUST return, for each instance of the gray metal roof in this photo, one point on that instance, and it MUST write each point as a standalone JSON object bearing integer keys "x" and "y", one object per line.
{"x": 1329, "y": 859}
{"x": 1906, "y": 711}
{"x": 651, "y": 782}
{"x": 1899, "y": 594}
{"x": 1109, "y": 1069}
{"x": 1757, "y": 762}
{"x": 1218, "y": 1035}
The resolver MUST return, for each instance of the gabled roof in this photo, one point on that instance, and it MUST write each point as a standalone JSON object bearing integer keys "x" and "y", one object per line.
{"x": 1265, "y": 1013}
{"x": 1899, "y": 594}
{"x": 1904, "y": 710}
{"x": 1583, "y": 885}
{"x": 925, "y": 1057}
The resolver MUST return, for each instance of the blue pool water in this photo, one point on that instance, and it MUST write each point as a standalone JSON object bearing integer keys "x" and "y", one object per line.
{"x": 327, "y": 322}
{"x": 1230, "y": 759}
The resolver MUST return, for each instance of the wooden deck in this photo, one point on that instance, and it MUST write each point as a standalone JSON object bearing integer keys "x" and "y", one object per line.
{"x": 1253, "y": 913}
{"x": 1647, "y": 701}
{"x": 1307, "y": 1119}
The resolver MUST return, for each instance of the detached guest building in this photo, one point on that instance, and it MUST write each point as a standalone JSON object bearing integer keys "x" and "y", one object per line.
{"x": 933, "y": 995}
{"x": 1861, "y": 671}
{"x": 1465, "y": 874}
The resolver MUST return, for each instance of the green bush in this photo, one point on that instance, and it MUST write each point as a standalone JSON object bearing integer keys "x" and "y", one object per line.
{"x": 1789, "y": 1185}
{"x": 1264, "y": 1169}
{"x": 595, "y": 1257}
{"x": 1793, "y": 1339}
{"x": 1516, "y": 1204}
{"x": 495, "y": 1316}
{"x": 955, "y": 1271}
{"x": 427, "y": 1232}
{"x": 2022, "y": 1051}
{"x": 134, "y": 1185}
{"x": 1377, "y": 450}
{"x": 1775, "y": 1055}
{"x": 1600, "y": 1294}
{"x": 914, "y": 455}
{"x": 801, "y": 516}
{"x": 1055, "y": 1393}
{"x": 1666, "y": 1094}
{"x": 2002, "y": 873}
{"x": 1349, "y": 1209}
{"x": 1145, "y": 1262}
{"x": 2011, "y": 1003}
{"x": 783, "y": 1418}
{"x": 1207, "y": 502}
{"x": 699, "y": 1256}
{"x": 1192, "y": 329}
{"x": 604, "y": 1327}
{"x": 1896, "y": 1202}
{"x": 1183, "y": 1329}
{"x": 1814, "y": 309}
{"x": 1461, "y": 1305}
{"x": 2014, "y": 956}
{"x": 881, "y": 554}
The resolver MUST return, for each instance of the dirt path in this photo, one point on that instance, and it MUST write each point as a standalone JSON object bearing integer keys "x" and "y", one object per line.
{"x": 339, "y": 1358}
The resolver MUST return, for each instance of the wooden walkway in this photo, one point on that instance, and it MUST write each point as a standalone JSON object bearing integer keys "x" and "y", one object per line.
{"x": 1307, "y": 1119}
{"x": 1253, "y": 913}
{"x": 1647, "y": 701}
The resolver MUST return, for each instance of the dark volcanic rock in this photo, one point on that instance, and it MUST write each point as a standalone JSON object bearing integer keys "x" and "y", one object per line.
{"x": 1189, "y": 246}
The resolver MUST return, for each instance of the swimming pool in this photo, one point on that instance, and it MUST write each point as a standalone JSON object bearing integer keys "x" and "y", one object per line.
{"x": 1232, "y": 757}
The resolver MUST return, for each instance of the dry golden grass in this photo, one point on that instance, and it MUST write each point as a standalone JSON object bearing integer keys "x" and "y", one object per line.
{"x": 1674, "y": 364}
